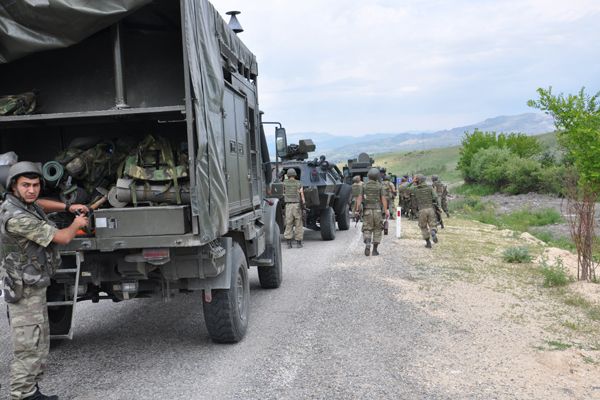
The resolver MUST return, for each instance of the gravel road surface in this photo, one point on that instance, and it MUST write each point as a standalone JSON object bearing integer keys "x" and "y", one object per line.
{"x": 333, "y": 330}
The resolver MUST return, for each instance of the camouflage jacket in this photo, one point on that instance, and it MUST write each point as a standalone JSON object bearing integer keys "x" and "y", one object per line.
{"x": 291, "y": 190}
{"x": 424, "y": 196}
{"x": 27, "y": 254}
{"x": 372, "y": 192}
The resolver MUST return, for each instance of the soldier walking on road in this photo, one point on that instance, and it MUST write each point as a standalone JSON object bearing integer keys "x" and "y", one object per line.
{"x": 293, "y": 196}
{"x": 28, "y": 260}
{"x": 373, "y": 196}
{"x": 425, "y": 197}
{"x": 442, "y": 193}
{"x": 391, "y": 194}
{"x": 357, "y": 185}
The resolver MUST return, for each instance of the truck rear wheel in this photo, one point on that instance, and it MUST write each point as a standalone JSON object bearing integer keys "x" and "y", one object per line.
{"x": 59, "y": 319}
{"x": 344, "y": 219}
{"x": 226, "y": 316}
{"x": 271, "y": 277}
{"x": 327, "y": 224}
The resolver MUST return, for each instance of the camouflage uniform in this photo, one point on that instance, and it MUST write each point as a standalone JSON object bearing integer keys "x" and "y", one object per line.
{"x": 391, "y": 196}
{"x": 424, "y": 198}
{"x": 372, "y": 192}
{"x": 442, "y": 193}
{"x": 28, "y": 260}
{"x": 404, "y": 198}
{"x": 293, "y": 211}
{"x": 356, "y": 190}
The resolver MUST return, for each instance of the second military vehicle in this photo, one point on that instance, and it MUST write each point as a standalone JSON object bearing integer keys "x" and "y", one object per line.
{"x": 327, "y": 196}
{"x": 357, "y": 167}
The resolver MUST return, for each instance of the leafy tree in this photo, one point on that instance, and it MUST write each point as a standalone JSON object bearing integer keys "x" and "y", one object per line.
{"x": 577, "y": 118}
{"x": 523, "y": 145}
{"x": 471, "y": 144}
{"x": 490, "y": 166}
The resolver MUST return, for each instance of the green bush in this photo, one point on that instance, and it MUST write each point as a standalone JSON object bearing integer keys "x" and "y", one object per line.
{"x": 517, "y": 255}
{"x": 555, "y": 275}
{"x": 522, "y": 175}
{"x": 489, "y": 166}
{"x": 551, "y": 179}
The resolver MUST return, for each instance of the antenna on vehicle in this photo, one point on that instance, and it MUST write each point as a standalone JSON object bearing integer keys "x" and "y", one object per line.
{"x": 234, "y": 24}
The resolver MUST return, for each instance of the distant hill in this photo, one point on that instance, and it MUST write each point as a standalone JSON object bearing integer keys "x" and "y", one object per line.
{"x": 341, "y": 148}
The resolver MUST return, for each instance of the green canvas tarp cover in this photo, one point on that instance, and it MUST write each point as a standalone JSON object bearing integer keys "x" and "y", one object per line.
{"x": 30, "y": 26}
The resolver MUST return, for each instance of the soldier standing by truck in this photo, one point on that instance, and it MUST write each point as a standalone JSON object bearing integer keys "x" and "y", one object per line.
{"x": 293, "y": 195}
{"x": 375, "y": 202}
{"x": 28, "y": 259}
{"x": 425, "y": 197}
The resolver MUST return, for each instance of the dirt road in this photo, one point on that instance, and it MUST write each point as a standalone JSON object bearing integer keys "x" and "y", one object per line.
{"x": 342, "y": 326}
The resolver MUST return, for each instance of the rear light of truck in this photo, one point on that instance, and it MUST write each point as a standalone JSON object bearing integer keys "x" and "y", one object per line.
{"x": 155, "y": 254}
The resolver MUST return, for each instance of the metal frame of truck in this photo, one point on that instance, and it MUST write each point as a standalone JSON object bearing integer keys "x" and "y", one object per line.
{"x": 206, "y": 245}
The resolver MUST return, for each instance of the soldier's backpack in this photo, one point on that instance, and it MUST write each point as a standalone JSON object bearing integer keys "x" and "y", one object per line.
{"x": 18, "y": 104}
{"x": 153, "y": 161}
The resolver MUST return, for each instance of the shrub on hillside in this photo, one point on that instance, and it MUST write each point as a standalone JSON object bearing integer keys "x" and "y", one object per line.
{"x": 552, "y": 179}
{"x": 490, "y": 166}
{"x": 517, "y": 255}
{"x": 522, "y": 175}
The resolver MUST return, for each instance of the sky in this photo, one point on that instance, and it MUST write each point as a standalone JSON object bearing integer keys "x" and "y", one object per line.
{"x": 356, "y": 67}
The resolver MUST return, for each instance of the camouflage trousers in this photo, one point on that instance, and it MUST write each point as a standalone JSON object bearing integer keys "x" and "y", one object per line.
{"x": 31, "y": 341}
{"x": 371, "y": 228}
{"x": 427, "y": 221}
{"x": 293, "y": 222}
{"x": 391, "y": 207}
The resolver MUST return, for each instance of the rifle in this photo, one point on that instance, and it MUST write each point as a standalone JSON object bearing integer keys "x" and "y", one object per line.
{"x": 356, "y": 218}
{"x": 385, "y": 226}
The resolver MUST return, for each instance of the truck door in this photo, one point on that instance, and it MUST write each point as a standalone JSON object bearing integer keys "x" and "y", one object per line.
{"x": 235, "y": 125}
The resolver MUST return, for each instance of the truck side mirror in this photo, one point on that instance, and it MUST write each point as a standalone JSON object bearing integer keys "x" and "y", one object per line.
{"x": 280, "y": 142}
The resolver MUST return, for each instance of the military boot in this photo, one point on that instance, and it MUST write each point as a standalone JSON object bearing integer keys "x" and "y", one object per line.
{"x": 375, "y": 252}
{"x": 39, "y": 396}
{"x": 428, "y": 243}
{"x": 299, "y": 243}
{"x": 367, "y": 250}
{"x": 434, "y": 235}
{"x": 289, "y": 243}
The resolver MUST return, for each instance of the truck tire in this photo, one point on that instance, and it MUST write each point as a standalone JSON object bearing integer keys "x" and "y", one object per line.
{"x": 327, "y": 224}
{"x": 226, "y": 316}
{"x": 59, "y": 319}
{"x": 271, "y": 277}
{"x": 343, "y": 219}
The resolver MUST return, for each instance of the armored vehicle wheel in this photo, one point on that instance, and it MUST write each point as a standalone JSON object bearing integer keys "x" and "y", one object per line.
{"x": 59, "y": 319}
{"x": 271, "y": 277}
{"x": 343, "y": 219}
{"x": 226, "y": 316}
{"x": 327, "y": 224}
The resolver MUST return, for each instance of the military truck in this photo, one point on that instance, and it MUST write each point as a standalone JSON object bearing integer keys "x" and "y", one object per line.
{"x": 357, "y": 167}
{"x": 327, "y": 196}
{"x": 175, "y": 69}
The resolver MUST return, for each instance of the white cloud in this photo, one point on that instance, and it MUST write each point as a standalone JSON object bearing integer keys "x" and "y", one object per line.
{"x": 426, "y": 62}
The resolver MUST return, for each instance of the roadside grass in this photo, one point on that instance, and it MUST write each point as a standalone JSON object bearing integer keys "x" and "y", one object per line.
{"x": 475, "y": 254}
{"x": 475, "y": 189}
{"x": 517, "y": 255}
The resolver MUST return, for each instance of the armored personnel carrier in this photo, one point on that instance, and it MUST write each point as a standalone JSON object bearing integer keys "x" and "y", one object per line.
{"x": 357, "y": 167}
{"x": 327, "y": 196}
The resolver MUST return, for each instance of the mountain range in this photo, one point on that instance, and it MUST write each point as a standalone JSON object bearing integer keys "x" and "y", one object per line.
{"x": 341, "y": 148}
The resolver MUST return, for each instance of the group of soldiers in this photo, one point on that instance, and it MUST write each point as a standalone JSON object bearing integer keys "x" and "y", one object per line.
{"x": 373, "y": 203}
{"x": 417, "y": 200}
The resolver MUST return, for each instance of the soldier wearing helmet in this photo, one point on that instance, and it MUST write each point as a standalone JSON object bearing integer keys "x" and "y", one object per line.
{"x": 424, "y": 198}
{"x": 28, "y": 257}
{"x": 293, "y": 196}
{"x": 442, "y": 192}
{"x": 373, "y": 196}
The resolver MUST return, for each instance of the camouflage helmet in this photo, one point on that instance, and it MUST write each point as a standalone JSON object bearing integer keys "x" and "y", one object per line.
{"x": 373, "y": 174}
{"x": 434, "y": 178}
{"x": 291, "y": 172}
{"x": 23, "y": 168}
{"x": 356, "y": 179}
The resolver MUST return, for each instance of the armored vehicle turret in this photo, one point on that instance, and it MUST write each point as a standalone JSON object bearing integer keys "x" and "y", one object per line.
{"x": 357, "y": 167}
